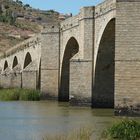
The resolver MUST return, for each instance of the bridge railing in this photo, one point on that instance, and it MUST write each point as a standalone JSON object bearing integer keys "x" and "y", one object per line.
{"x": 25, "y": 44}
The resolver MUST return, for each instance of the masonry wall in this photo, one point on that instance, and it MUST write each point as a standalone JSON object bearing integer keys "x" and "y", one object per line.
{"x": 81, "y": 27}
{"x": 80, "y": 82}
{"x": 127, "y": 57}
{"x": 10, "y": 80}
{"x": 81, "y": 70}
{"x": 86, "y": 23}
{"x": 5, "y": 80}
{"x": 50, "y": 61}
{"x": 29, "y": 79}
{"x": 16, "y": 80}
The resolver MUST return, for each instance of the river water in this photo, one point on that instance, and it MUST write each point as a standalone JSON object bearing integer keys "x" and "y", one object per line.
{"x": 35, "y": 120}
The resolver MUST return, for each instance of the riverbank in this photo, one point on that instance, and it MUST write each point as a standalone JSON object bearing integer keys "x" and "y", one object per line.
{"x": 125, "y": 129}
{"x": 19, "y": 94}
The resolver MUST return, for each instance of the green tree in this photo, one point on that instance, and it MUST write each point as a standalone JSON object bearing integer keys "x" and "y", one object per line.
{"x": 19, "y": 2}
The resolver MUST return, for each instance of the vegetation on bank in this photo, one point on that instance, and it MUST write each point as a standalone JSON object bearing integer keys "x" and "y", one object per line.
{"x": 19, "y": 94}
{"x": 124, "y": 130}
{"x": 84, "y": 133}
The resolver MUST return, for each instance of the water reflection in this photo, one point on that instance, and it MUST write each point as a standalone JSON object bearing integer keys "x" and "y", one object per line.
{"x": 34, "y": 120}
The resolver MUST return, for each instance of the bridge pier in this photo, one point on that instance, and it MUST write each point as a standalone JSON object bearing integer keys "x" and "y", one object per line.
{"x": 80, "y": 82}
{"x": 6, "y": 78}
{"x": 50, "y": 61}
{"x": 30, "y": 76}
{"x": 77, "y": 42}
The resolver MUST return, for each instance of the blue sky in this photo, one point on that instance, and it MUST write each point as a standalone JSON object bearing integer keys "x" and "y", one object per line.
{"x": 62, "y": 6}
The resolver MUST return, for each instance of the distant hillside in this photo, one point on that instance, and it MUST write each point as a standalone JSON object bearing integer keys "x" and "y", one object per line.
{"x": 20, "y": 21}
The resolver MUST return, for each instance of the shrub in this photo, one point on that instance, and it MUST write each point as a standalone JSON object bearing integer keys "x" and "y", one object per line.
{"x": 125, "y": 130}
{"x": 7, "y": 19}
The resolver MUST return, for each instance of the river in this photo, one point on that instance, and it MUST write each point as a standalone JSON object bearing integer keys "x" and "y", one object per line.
{"x": 35, "y": 120}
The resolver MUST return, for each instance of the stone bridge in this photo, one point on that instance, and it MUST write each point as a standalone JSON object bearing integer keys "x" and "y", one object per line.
{"x": 88, "y": 59}
{"x": 19, "y": 66}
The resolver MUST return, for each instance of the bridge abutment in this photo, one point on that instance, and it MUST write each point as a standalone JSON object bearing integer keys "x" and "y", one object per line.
{"x": 127, "y": 57}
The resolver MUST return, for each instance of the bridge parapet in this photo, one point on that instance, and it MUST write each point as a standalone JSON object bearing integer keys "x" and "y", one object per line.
{"x": 70, "y": 23}
{"x": 25, "y": 44}
{"x": 85, "y": 13}
{"x": 105, "y": 7}
{"x": 50, "y": 28}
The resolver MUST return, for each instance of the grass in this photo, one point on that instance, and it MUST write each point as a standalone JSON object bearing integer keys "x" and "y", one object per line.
{"x": 124, "y": 130}
{"x": 19, "y": 94}
{"x": 81, "y": 134}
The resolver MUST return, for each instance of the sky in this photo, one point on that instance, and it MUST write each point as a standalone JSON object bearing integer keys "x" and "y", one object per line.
{"x": 62, "y": 6}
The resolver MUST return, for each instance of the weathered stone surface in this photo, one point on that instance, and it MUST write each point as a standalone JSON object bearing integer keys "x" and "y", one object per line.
{"x": 80, "y": 82}
{"x": 127, "y": 58}
{"x": 49, "y": 83}
{"x": 50, "y": 55}
{"x": 29, "y": 76}
{"x": 5, "y": 78}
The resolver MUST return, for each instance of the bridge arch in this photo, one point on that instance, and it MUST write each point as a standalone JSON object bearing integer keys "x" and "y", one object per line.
{"x": 28, "y": 60}
{"x": 5, "y": 65}
{"x": 15, "y": 62}
{"x": 71, "y": 49}
{"x": 103, "y": 88}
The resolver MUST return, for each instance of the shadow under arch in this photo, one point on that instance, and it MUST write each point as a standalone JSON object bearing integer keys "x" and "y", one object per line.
{"x": 5, "y": 65}
{"x": 39, "y": 76}
{"x": 71, "y": 49}
{"x": 103, "y": 88}
{"x": 15, "y": 62}
{"x": 28, "y": 60}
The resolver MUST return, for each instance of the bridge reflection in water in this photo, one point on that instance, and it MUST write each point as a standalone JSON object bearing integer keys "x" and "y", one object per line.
{"x": 35, "y": 120}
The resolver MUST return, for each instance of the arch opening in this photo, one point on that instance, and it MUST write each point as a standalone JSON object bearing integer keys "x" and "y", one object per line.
{"x": 15, "y": 62}
{"x": 103, "y": 88}
{"x": 71, "y": 49}
{"x": 5, "y": 65}
{"x": 28, "y": 60}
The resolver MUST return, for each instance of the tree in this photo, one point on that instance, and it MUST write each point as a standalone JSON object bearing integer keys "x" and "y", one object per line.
{"x": 19, "y": 2}
{"x": 27, "y": 5}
